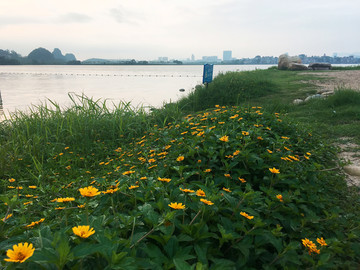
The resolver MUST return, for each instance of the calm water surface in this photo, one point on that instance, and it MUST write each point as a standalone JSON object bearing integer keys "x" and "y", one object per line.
{"x": 24, "y": 86}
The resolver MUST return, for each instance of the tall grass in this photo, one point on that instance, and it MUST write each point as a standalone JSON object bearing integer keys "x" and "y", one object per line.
{"x": 229, "y": 88}
{"x": 45, "y": 130}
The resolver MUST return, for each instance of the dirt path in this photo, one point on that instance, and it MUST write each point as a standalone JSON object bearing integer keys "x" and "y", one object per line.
{"x": 337, "y": 80}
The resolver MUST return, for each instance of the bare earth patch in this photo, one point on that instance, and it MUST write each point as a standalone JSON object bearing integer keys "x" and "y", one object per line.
{"x": 349, "y": 79}
{"x": 337, "y": 80}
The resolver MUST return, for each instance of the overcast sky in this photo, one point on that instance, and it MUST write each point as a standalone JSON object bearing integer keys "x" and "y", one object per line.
{"x": 147, "y": 29}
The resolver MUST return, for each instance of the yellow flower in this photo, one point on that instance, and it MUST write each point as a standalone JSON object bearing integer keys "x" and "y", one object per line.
{"x": 280, "y": 197}
{"x": 83, "y": 231}
{"x": 310, "y": 245}
{"x": 227, "y": 175}
{"x": 245, "y": 133}
{"x": 269, "y": 151}
{"x": 226, "y": 189}
{"x": 242, "y": 180}
{"x": 89, "y": 191}
{"x": 176, "y": 205}
{"x": 207, "y": 170}
{"x": 236, "y": 152}
{"x": 151, "y": 160}
{"x": 246, "y": 215}
{"x": 128, "y": 172}
{"x": 200, "y": 193}
{"x": 33, "y": 187}
{"x": 206, "y": 202}
{"x": 164, "y": 179}
{"x": 260, "y": 138}
{"x": 143, "y": 178}
{"x": 7, "y": 217}
{"x": 187, "y": 190}
{"x": 321, "y": 241}
{"x": 11, "y": 180}
{"x": 274, "y": 170}
{"x": 110, "y": 191}
{"x": 224, "y": 138}
{"x": 20, "y": 252}
{"x": 132, "y": 187}
{"x": 180, "y": 158}
{"x": 67, "y": 199}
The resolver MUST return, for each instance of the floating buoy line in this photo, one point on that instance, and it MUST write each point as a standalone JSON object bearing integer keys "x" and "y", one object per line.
{"x": 102, "y": 75}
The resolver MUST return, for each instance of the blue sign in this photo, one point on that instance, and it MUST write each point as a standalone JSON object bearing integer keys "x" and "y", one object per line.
{"x": 208, "y": 73}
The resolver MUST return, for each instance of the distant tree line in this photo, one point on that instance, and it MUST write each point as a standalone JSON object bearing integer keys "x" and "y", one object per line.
{"x": 272, "y": 60}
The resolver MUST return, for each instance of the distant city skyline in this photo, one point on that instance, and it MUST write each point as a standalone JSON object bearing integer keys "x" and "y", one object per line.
{"x": 146, "y": 30}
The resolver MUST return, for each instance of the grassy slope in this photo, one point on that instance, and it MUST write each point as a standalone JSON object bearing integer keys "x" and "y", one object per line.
{"x": 34, "y": 151}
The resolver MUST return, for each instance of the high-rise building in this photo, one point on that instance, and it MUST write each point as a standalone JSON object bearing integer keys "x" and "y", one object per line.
{"x": 227, "y": 55}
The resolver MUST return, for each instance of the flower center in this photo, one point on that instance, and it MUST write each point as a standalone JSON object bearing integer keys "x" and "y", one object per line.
{"x": 20, "y": 256}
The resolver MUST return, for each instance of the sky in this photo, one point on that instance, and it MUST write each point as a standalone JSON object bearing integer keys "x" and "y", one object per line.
{"x": 148, "y": 29}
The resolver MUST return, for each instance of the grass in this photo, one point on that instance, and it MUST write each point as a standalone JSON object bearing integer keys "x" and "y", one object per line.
{"x": 266, "y": 168}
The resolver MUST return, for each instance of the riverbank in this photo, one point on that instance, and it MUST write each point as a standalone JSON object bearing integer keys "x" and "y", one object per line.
{"x": 232, "y": 176}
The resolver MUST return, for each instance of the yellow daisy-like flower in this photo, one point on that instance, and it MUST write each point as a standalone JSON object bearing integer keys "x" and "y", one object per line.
{"x": 245, "y": 133}
{"x": 143, "y": 178}
{"x": 89, "y": 191}
{"x": 180, "y": 158}
{"x": 207, "y": 170}
{"x": 321, "y": 241}
{"x": 7, "y": 217}
{"x": 206, "y": 202}
{"x": 224, "y": 138}
{"x": 128, "y": 172}
{"x": 236, "y": 153}
{"x": 164, "y": 179}
{"x": 269, "y": 151}
{"x": 274, "y": 170}
{"x": 33, "y": 187}
{"x": 246, "y": 215}
{"x": 11, "y": 180}
{"x": 133, "y": 187}
{"x": 227, "y": 175}
{"x": 226, "y": 189}
{"x": 20, "y": 252}
{"x": 310, "y": 245}
{"x": 83, "y": 231}
{"x": 280, "y": 197}
{"x": 110, "y": 191}
{"x": 242, "y": 180}
{"x": 200, "y": 193}
{"x": 67, "y": 199}
{"x": 176, "y": 205}
{"x": 187, "y": 190}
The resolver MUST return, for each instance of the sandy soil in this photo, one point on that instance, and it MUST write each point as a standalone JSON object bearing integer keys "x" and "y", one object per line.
{"x": 337, "y": 80}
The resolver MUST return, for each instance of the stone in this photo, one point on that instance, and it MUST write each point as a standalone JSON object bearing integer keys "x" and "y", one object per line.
{"x": 312, "y": 97}
{"x": 297, "y": 101}
{"x": 296, "y": 66}
{"x": 352, "y": 170}
{"x": 285, "y": 61}
{"x": 320, "y": 66}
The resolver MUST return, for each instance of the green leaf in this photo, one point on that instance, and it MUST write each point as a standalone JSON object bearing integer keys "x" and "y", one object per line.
{"x": 181, "y": 264}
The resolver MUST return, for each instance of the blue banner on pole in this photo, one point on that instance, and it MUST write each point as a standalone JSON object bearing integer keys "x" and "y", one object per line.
{"x": 208, "y": 73}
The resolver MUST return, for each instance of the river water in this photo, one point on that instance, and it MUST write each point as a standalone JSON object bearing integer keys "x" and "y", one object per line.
{"x": 151, "y": 86}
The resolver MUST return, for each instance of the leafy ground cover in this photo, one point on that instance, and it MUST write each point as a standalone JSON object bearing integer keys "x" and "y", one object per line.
{"x": 226, "y": 188}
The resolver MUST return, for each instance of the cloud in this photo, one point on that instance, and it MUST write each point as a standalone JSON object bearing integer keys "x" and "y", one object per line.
{"x": 74, "y": 18}
{"x": 5, "y": 21}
